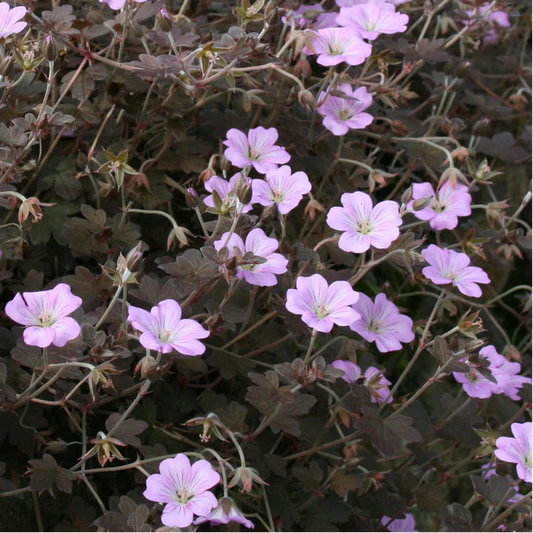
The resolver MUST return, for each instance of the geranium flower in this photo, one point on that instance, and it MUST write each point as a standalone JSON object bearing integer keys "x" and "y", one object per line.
{"x": 258, "y": 244}
{"x": 226, "y": 511}
{"x": 184, "y": 489}
{"x": 362, "y": 224}
{"x": 452, "y": 267}
{"x": 322, "y": 305}
{"x": 406, "y": 524}
{"x": 118, "y": 4}
{"x": 382, "y": 323}
{"x": 164, "y": 330}
{"x": 46, "y": 315}
{"x": 303, "y": 16}
{"x": 338, "y": 45}
{"x": 518, "y": 449}
{"x": 373, "y": 379}
{"x": 281, "y": 187}
{"x": 371, "y": 19}
{"x": 226, "y": 191}
{"x": 10, "y": 19}
{"x": 258, "y": 149}
{"x": 448, "y": 203}
{"x": 344, "y": 114}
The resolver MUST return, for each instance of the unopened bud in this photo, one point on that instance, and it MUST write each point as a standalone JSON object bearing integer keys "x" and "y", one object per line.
{"x": 225, "y": 164}
{"x": 50, "y": 48}
{"x": 463, "y": 68}
{"x": 407, "y": 196}
{"x": 481, "y": 126}
{"x": 191, "y": 198}
{"x": 307, "y": 99}
{"x": 421, "y": 203}
{"x": 135, "y": 257}
{"x": 164, "y": 21}
{"x": 56, "y": 446}
{"x": 244, "y": 192}
{"x": 206, "y": 175}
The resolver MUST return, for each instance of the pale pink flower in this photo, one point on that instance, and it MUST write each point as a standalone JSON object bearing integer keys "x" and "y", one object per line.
{"x": 448, "y": 203}
{"x": 452, "y": 267}
{"x": 257, "y": 242}
{"x": 343, "y": 114}
{"x": 184, "y": 489}
{"x": 226, "y": 191}
{"x": 518, "y": 449}
{"x": 322, "y": 305}
{"x": 10, "y": 19}
{"x": 164, "y": 330}
{"x": 351, "y": 3}
{"x": 326, "y": 20}
{"x": 371, "y": 19}
{"x": 226, "y": 511}
{"x": 303, "y": 16}
{"x": 373, "y": 379}
{"x": 282, "y": 188}
{"x": 258, "y": 149}
{"x": 382, "y": 323}
{"x": 406, "y": 524}
{"x": 118, "y": 4}
{"x": 362, "y": 224}
{"x": 46, "y": 316}
{"x": 475, "y": 384}
{"x": 338, "y": 45}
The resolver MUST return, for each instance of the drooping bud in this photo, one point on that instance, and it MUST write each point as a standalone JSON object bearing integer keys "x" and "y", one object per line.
{"x": 245, "y": 477}
{"x": 307, "y": 99}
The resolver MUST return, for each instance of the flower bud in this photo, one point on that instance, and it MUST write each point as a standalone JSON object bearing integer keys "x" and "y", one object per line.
{"x": 463, "y": 68}
{"x": 244, "y": 192}
{"x": 407, "y": 196}
{"x": 191, "y": 198}
{"x": 481, "y": 127}
{"x": 134, "y": 258}
{"x": 448, "y": 68}
{"x": 225, "y": 165}
{"x": 245, "y": 477}
{"x": 307, "y": 99}
{"x": 421, "y": 203}
{"x": 50, "y": 48}
{"x": 206, "y": 174}
{"x": 136, "y": 29}
{"x": 6, "y": 66}
{"x": 164, "y": 21}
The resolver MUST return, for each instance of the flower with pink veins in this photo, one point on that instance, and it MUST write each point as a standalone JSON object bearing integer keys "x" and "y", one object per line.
{"x": 475, "y": 384}
{"x": 257, "y": 149}
{"x": 406, "y": 524}
{"x": 282, "y": 188}
{"x": 226, "y": 511}
{"x": 10, "y": 19}
{"x": 118, "y": 4}
{"x": 344, "y": 114}
{"x": 364, "y": 225}
{"x": 517, "y": 449}
{"x": 371, "y": 19}
{"x": 338, "y": 45}
{"x": 226, "y": 191}
{"x": 162, "y": 329}
{"x": 257, "y": 242}
{"x": 447, "y": 266}
{"x": 46, "y": 316}
{"x": 322, "y": 305}
{"x": 382, "y": 323}
{"x": 373, "y": 379}
{"x": 184, "y": 489}
{"x": 448, "y": 203}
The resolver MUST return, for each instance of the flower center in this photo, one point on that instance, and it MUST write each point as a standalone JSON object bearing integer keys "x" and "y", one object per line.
{"x": 438, "y": 207}
{"x": 184, "y": 496}
{"x": 46, "y": 320}
{"x": 335, "y": 50}
{"x": 528, "y": 460}
{"x": 363, "y": 227}
{"x": 277, "y": 196}
{"x": 321, "y": 311}
{"x": 374, "y": 326}
{"x": 345, "y": 114}
{"x": 253, "y": 155}
{"x": 165, "y": 336}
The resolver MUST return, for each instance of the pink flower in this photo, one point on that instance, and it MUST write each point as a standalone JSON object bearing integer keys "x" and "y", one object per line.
{"x": 382, "y": 323}
{"x": 9, "y": 19}
{"x": 281, "y": 187}
{"x": 303, "y": 16}
{"x": 452, "y": 267}
{"x": 322, "y": 305}
{"x": 364, "y": 225}
{"x": 226, "y": 511}
{"x": 343, "y": 114}
{"x": 406, "y": 524}
{"x": 164, "y": 330}
{"x": 258, "y": 149}
{"x": 338, "y": 45}
{"x": 184, "y": 490}
{"x": 258, "y": 244}
{"x": 118, "y": 4}
{"x": 475, "y": 384}
{"x": 46, "y": 315}
{"x": 445, "y": 206}
{"x": 373, "y": 379}
{"x": 518, "y": 449}
{"x": 369, "y": 20}
{"x": 326, "y": 20}
{"x": 226, "y": 191}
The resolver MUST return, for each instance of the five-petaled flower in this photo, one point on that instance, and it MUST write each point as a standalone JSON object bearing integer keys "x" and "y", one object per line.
{"x": 322, "y": 305}
{"x": 46, "y": 315}
{"x": 227, "y": 192}
{"x": 257, "y": 149}
{"x": 10, "y": 19}
{"x": 445, "y": 205}
{"x": 518, "y": 449}
{"x": 406, "y": 524}
{"x": 447, "y": 266}
{"x": 162, "y": 329}
{"x": 184, "y": 489}
{"x": 118, "y": 4}
{"x": 226, "y": 511}
{"x": 282, "y": 188}
{"x": 344, "y": 114}
{"x": 338, "y": 45}
{"x": 382, "y": 323}
{"x": 362, "y": 224}
{"x": 257, "y": 242}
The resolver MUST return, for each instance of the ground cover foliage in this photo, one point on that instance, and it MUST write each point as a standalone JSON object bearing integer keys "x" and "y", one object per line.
{"x": 265, "y": 265}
